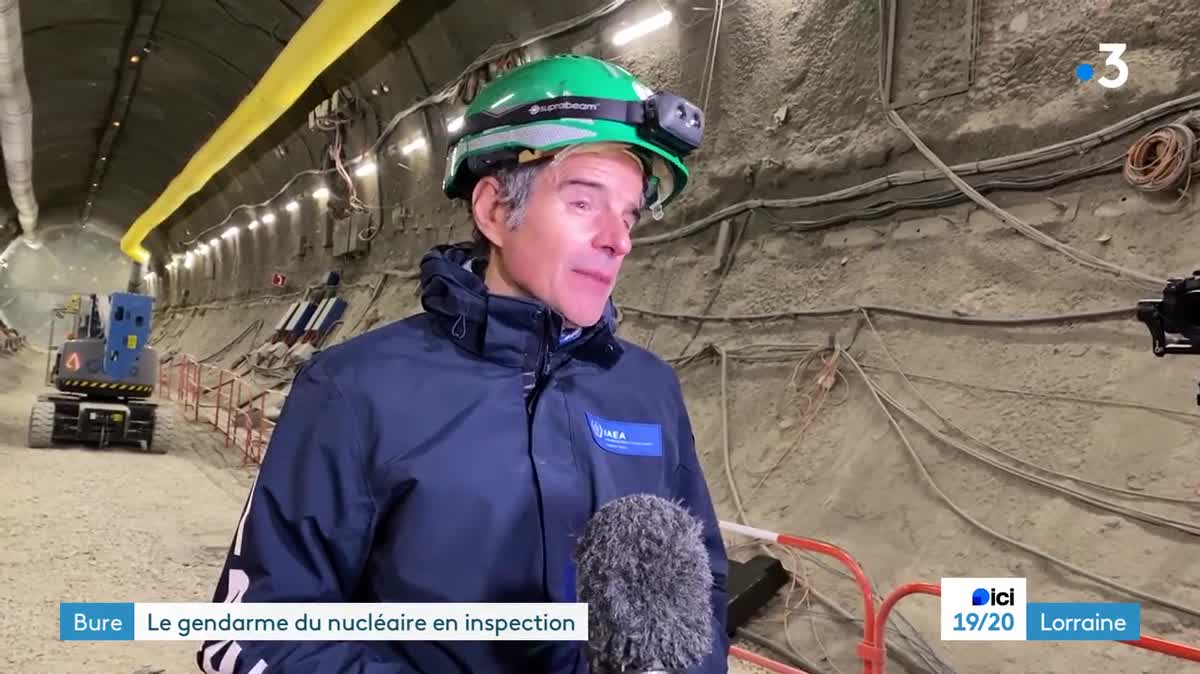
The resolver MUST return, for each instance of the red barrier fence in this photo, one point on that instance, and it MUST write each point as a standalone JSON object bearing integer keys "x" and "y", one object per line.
{"x": 872, "y": 648}
{"x": 232, "y": 404}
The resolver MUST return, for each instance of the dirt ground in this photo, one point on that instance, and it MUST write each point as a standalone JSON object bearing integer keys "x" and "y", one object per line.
{"x": 113, "y": 525}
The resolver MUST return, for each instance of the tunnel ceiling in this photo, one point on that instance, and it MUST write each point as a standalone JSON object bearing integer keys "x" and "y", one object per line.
{"x": 170, "y": 71}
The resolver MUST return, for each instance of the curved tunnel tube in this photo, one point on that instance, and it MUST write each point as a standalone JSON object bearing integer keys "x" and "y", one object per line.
{"x": 16, "y": 118}
{"x": 334, "y": 27}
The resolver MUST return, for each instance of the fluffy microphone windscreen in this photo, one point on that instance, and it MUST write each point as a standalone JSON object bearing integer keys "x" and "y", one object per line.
{"x": 643, "y": 570}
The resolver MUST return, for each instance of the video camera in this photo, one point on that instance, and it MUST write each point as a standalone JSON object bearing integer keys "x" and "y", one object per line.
{"x": 1174, "y": 320}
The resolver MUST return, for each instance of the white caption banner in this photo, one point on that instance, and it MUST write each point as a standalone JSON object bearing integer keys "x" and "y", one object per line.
{"x": 361, "y": 622}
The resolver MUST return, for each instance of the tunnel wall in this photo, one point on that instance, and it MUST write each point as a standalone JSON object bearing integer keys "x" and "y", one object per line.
{"x": 812, "y": 65}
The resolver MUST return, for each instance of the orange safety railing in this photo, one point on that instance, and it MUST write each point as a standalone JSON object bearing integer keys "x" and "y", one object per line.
{"x": 872, "y": 648}
{"x": 238, "y": 406}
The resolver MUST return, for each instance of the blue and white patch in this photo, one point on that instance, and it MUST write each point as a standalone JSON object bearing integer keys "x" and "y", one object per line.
{"x": 626, "y": 437}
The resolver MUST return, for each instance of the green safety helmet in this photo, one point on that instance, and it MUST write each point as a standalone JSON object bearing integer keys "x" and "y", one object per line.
{"x": 541, "y": 107}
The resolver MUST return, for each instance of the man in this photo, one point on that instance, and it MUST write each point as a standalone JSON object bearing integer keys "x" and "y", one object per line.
{"x": 456, "y": 455}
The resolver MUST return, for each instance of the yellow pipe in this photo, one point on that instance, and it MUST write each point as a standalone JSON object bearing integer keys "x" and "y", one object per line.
{"x": 330, "y": 30}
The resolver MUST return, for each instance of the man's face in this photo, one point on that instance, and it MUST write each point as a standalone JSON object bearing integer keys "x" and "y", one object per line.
{"x": 568, "y": 248}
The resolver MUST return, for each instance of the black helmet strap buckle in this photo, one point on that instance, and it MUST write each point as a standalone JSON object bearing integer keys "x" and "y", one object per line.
{"x": 664, "y": 119}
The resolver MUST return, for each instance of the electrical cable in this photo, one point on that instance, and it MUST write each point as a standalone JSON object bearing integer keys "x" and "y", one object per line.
{"x": 375, "y": 226}
{"x": 336, "y": 151}
{"x": 933, "y": 661}
{"x": 492, "y": 53}
{"x": 262, "y": 298}
{"x": 1094, "y": 501}
{"x": 895, "y": 650}
{"x": 269, "y": 32}
{"x": 1007, "y": 321}
{"x": 267, "y": 297}
{"x": 726, "y": 265}
{"x": 791, "y": 352}
{"x": 1081, "y": 257}
{"x": 824, "y": 382}
{"x": 710, "y": 57}
{"x": 876, "y": 391}
{"x": 376, "y": 291}
{"x": 812, "y": 623}
{"x": 331, "y": 121}
{"x": 946, "y": 198}
{"x": 887, "y": 8}
{"x": 1162, "y": 159}
{"x": 939, "y": 667}
{"x": 1065, "y": 476}
{"x": 166, "y": 329}
{"x": 1112, "y": 402}
{"x": 1036, "y": 552}
{"x": 1060, "y": 150}
{"x": 473, "y": 82}
{"x": 727, "y": 462}
{"x": 976, "y": 197}
{"x": 776, "y": 352}
{"x": 1048, "y": 153}
{"x": 259, "y": 204}
{"x": 255, "y": 326}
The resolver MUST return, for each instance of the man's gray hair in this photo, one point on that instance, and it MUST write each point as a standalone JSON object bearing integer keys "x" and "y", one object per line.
{"x": 516, "y": 187}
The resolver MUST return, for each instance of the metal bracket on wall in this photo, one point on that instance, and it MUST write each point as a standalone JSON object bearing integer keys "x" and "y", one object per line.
{"x": 401, "y": 215}
{"x": 970, "y": 30}
{"x": 346, "y": 239}
{"x": 330, "y": 107}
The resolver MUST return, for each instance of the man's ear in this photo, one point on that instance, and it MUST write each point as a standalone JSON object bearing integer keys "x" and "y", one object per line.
{"x": 491, "y": 216}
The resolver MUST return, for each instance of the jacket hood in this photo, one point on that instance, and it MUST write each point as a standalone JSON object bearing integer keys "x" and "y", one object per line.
{"x": 493, "y": 326}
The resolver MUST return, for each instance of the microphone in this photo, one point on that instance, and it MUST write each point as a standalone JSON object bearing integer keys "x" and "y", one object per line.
{"x": 643, "y": 570}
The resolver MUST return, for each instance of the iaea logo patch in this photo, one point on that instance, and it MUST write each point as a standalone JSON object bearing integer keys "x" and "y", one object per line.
{"x": 626, "y": 437}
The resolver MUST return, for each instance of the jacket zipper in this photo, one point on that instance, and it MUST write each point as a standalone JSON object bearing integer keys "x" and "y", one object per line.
{"x": 539, "y": 380}
{"x": 543, "y": 365}
{"x": 546, "y": 356}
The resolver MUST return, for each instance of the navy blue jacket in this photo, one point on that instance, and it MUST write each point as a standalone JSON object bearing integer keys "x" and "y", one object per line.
{"x": 455, "y": 456}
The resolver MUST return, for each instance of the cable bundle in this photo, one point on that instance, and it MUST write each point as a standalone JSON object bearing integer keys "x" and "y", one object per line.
{"x": 1163, "y": 159}
{"x": 476, "y": 79}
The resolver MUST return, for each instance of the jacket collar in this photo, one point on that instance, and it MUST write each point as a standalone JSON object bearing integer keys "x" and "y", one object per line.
{"x": 499, "y": 328}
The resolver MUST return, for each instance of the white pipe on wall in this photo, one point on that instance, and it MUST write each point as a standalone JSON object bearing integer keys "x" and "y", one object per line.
{"x": 16, "y": 117}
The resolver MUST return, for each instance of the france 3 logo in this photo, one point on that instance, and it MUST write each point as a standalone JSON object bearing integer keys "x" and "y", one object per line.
{"x": 983, "y": 609}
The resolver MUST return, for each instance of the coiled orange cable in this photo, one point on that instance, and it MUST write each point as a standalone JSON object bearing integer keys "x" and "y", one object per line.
{"x": 1162, "y": 159}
